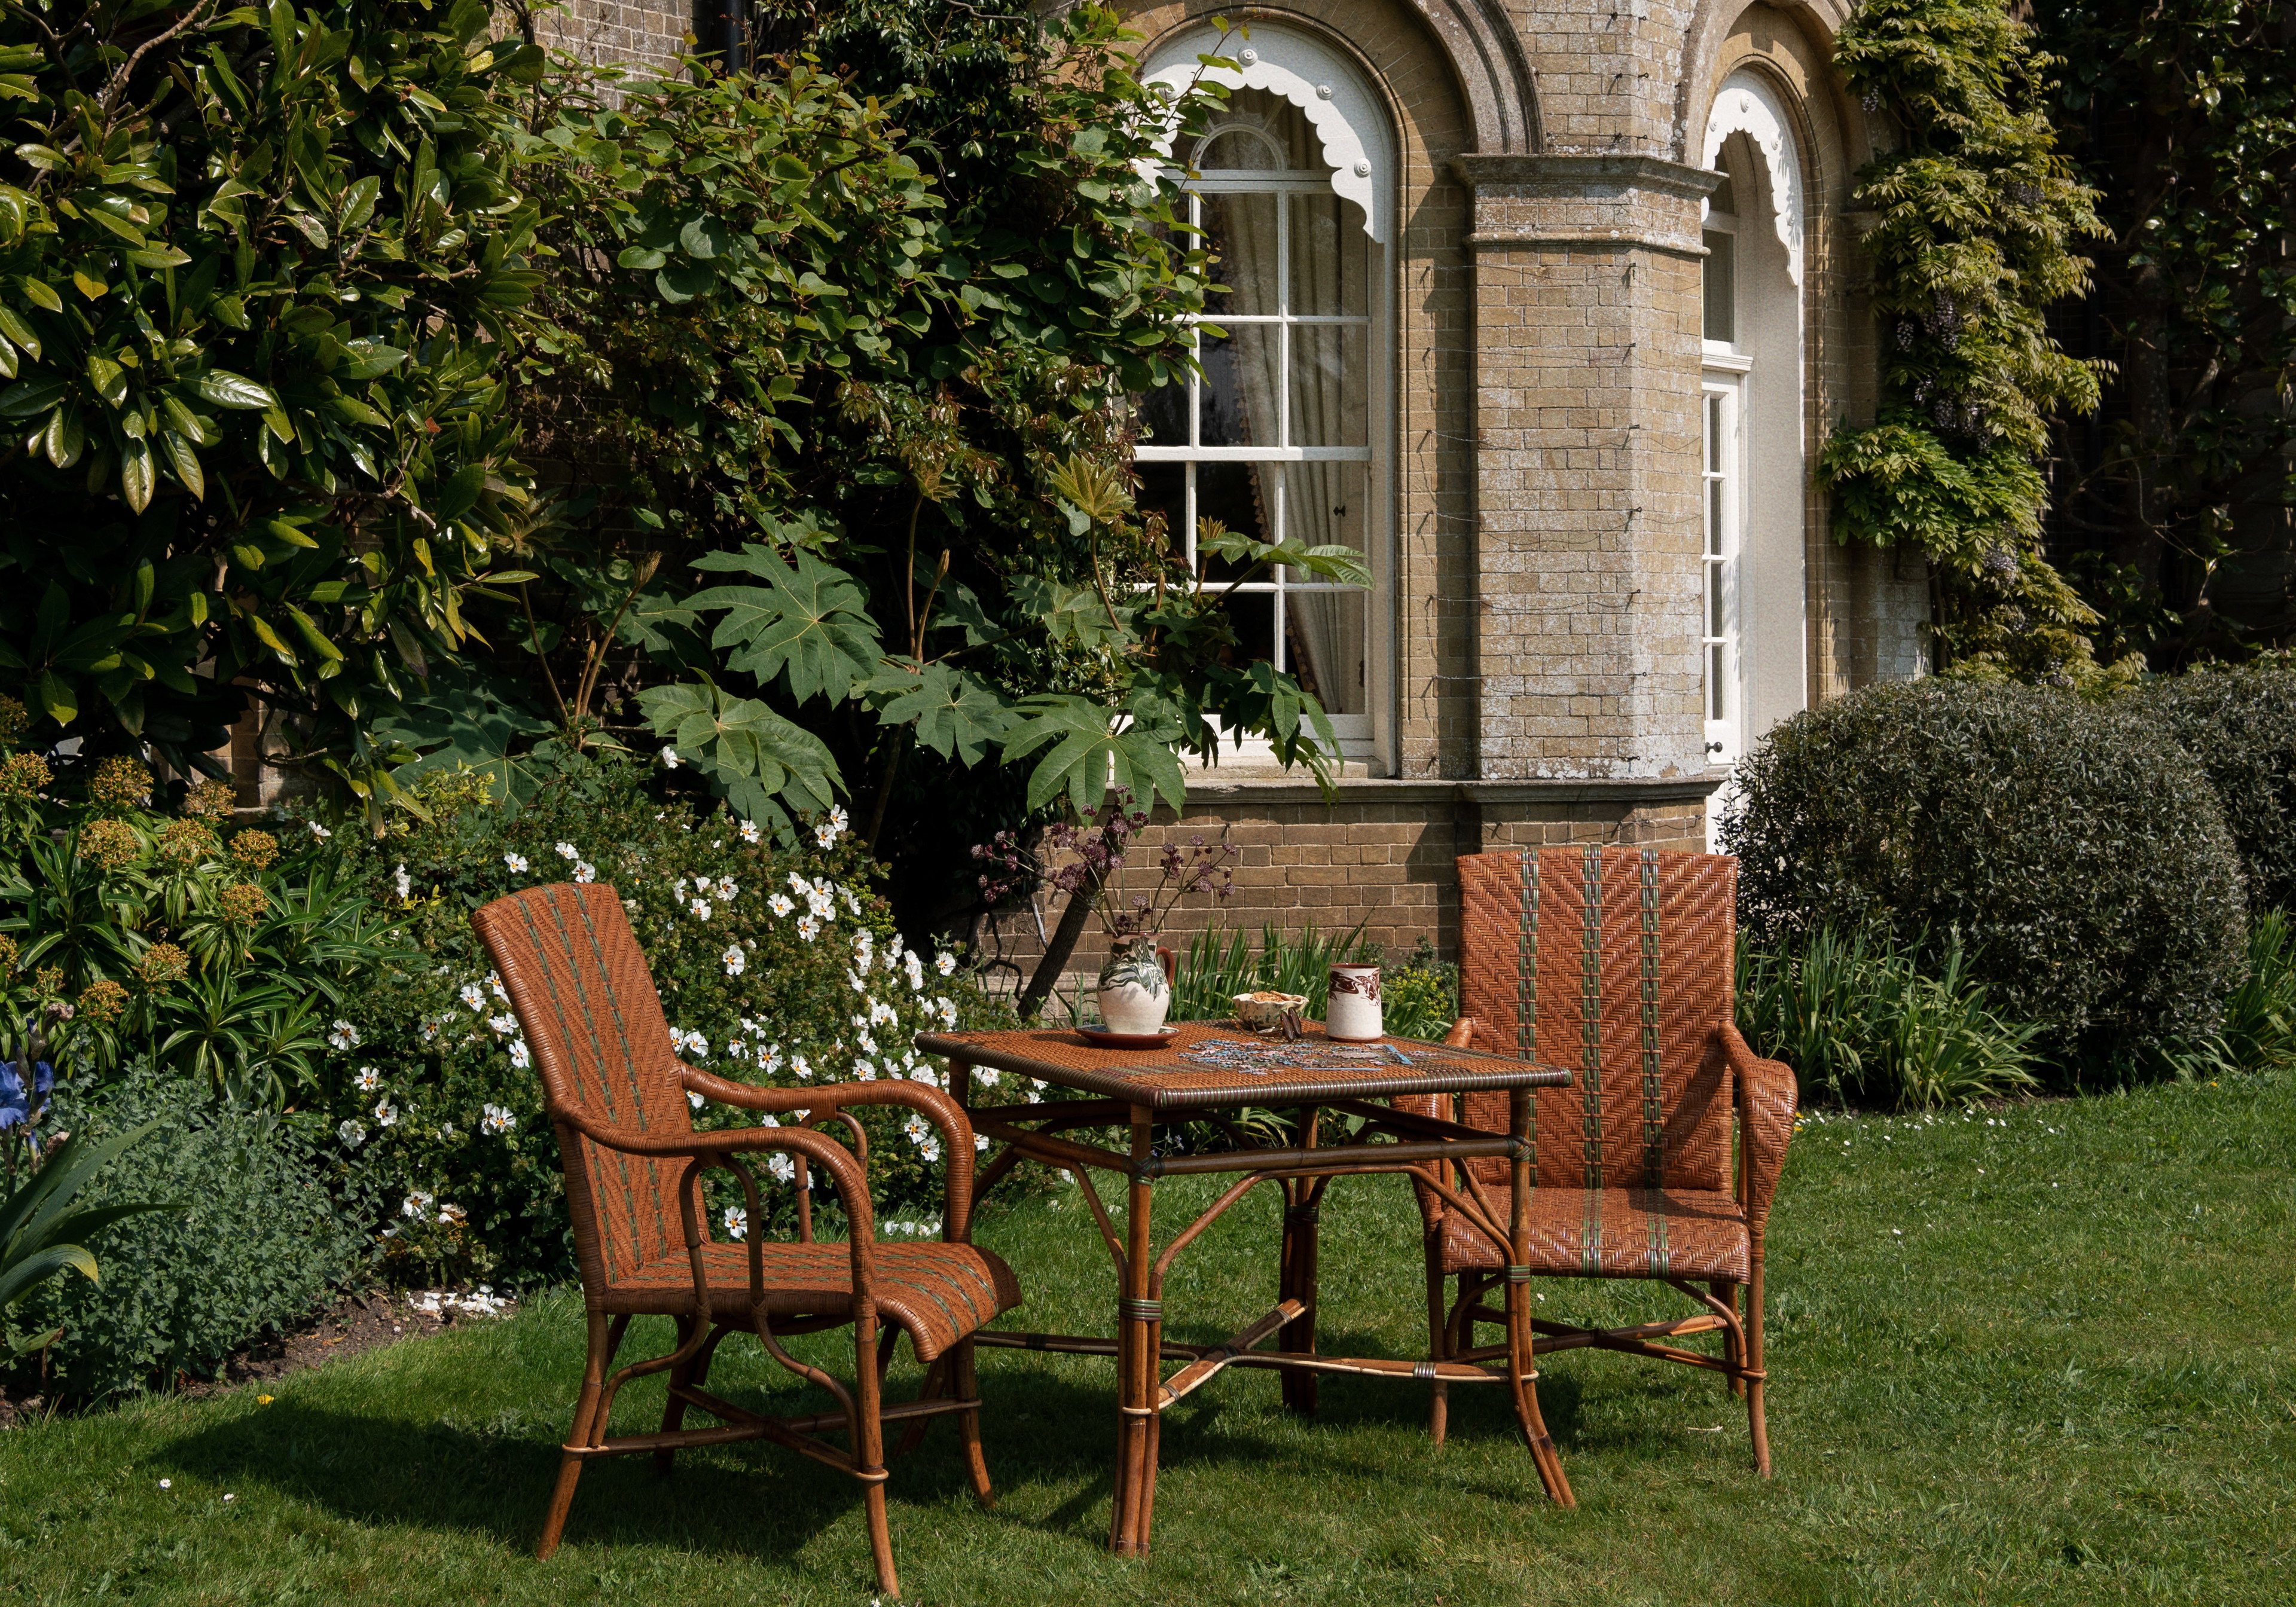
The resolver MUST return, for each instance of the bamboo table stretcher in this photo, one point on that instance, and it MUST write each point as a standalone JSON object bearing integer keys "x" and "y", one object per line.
{"x": 1209, "y": 1067}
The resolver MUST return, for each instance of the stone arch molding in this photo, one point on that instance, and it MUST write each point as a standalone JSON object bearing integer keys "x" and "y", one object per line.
{"x": 1746, "y": 104}
{"x": 1340, "y": 107}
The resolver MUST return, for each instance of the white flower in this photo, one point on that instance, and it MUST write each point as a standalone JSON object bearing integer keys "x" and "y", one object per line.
{"x": 693, "y": 1099}
{"x": 584, "y": 870}
{"x": 881, "y": 1014}
{"x": 917, "y": 1128}
{"x": 947, "y": 1012}
{"x": 799, "y": 884}
{"x": 853, "y": 980}
{"x": 495, "y": 986}
{"x": 669, "y": 757}
{"x": 865, "y": 1070}
{"x": 517, "y": 863}
{"x": 946, "y": 965}
{"x": 780, "y": 904}
{"x": 430, "y": 1031}
{"x": 499, "y": 1121}
{"x": 405, "y": 883}
{"x": 771, "y": 1063}
{"x": 868, "y": 1042}
{"x": 416, "y": 1205}
{"x": 519, "y": 1055}
{"x": 700, "y": 907}
{"x": 736, "y": 961}
{"x": 566, "y": 850}
{"x": 737, "y": 1222}
{"x": 502, "y": 1026}
{"x": 726, "y": 889}
{"x": 989, "y": 1074}
{"x": 367, "y": 1080}
{"x": 318, "y": 831}
{"x": 781, "y": 1169}
{"x": 852, "y": 905}
{"x": 351, "y": 1134}
{"x": 820, "y": 903}
{"x": 798, "y": 1064}
{"x": 749, "y": 832}
{"x": 825, "y": 834}
{"x": 837, "y": 817}
{"x": 980, "y": 1141}
{"x": 471, "y": 996}
{"x": 342, "y": 1035}
{"x": 453, "y": 1213}
{"x": 385, "y": 1114}
{"x": 808, "y": 927}
{"x": 683, "y": 1042}
{"x": 923, "y": 1074}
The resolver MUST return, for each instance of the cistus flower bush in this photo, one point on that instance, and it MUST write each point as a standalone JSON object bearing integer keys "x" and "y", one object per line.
{"x": 775, "y": 965}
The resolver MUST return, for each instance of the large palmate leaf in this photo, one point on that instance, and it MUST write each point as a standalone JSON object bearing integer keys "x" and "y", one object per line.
{"x": 1342, "y": 564}
{"x": 955, "y": 715}
{"x": 762, "y": 765}
{"x": 1091, "y": 749}
{"x": 1074, "y": 613}
{"x": 809, "y": 623}
{"x": 461, "y": 722}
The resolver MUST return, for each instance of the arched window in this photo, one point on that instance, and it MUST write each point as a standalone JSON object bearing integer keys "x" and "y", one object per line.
{"x": 1285, "y": 434}
{"x": 1751, "y": 609}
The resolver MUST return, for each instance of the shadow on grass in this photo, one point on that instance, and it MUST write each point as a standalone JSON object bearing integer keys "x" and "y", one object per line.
{"x": 490, "y": 1476}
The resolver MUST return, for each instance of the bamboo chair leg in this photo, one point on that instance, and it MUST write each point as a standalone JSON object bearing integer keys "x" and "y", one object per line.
{"x": 869, "y": 1454}
{"x": 968, "y": 1388}
{"x": 583, "y": 1432}
{"x": 1727, "y": 1294}
{"x": 673, "y": 1411}
{"x": 1439, "y": 1393}
{"x": 936, "y": 1385}
{"x": 1753, "y": 1322}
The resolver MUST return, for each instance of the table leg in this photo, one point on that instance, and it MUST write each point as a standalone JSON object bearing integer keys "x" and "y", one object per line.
{"x": 1139, "y": 1337}
{"x": 1520, "y": 1358}
{"x": 1302, "y": 1206}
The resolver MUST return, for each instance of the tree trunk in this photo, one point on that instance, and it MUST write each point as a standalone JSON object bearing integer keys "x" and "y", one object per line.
{"x": 1047, "y": 974}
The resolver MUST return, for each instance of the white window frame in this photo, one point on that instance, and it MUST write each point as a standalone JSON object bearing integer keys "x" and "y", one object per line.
{"x": 1358, "y": 157}
{"x": 1722, "y": 515}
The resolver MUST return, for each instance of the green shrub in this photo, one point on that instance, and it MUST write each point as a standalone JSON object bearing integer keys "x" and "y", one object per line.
{"x": 2073, "y": 849}
{"x": 1421, "y": 995}
{"x": 2239, "y": 725}
{"x": 424, "y": 1085}
{"x": 268, "y": 1226}
{"x": 1858, "y": 1021}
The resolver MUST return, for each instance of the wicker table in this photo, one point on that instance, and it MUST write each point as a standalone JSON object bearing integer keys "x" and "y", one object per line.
{"x": 1209, "y": 1067}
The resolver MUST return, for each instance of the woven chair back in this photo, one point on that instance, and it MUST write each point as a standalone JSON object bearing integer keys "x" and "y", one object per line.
{"x": 593, "y": 1023}
{"x": 1617, "y": 962}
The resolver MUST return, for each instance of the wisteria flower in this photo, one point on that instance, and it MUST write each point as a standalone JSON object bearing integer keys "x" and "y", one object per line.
{"x": 566, "y": 851}
{"x": 749, "y": 832}
{"x": 519, "y": 1055}
{"x": 585, "y": 872}
{"x": 737, "y": 961}
{"x": 737, "y": 1222}
{"x": 946, "y": 965}
{"x": 700, "y": 907}
{"x": 807, "y": 928}
{"x": 517, "y": 863}
{"x": 351, "y": 1134}
{"x": 471, "y": 995}
{"x": 780, "y": 904}
{"x": 499, "y": 1121}
{"x": 415, "y": 1206}
{"x": 403, "y": 882}
{"x": 780, "y": 1169}
{"x": 669, "y": 755}
{"x": 367, "y": 1080}
{"x": 342, "y": 1035}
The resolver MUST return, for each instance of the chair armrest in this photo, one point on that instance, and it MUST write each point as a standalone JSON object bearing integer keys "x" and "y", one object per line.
{"x": 1462, "y": 1035}
{"x": 935, "y": 1106}
{"x": 1766, "y": 1097}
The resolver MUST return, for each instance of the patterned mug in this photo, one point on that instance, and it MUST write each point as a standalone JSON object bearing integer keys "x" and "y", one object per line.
{"x": 1352, "y": 1014}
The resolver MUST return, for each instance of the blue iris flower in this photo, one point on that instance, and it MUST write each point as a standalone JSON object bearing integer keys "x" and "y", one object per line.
{"x": 16, "y": 1104}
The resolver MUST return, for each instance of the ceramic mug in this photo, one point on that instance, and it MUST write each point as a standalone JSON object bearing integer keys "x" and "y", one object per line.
{"x": 1352, "y": 1015}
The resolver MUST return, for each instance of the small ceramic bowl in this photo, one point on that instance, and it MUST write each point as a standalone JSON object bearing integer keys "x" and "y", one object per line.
{"x": 1261, "y": 1010}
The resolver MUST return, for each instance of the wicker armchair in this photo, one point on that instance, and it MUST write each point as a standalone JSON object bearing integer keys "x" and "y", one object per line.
{"x": 617, "y": 1094}
{"x": 1617, "y": 962}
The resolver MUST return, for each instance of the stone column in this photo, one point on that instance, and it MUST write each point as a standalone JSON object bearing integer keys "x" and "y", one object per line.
{"x": 1588, "y": 328}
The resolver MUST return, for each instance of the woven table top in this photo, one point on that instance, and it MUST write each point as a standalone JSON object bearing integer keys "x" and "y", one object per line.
{"x": 1214, "y": 1063}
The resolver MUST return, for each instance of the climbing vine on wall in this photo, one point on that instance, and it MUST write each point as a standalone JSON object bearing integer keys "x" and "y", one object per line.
{"x": 1976, "y": 216}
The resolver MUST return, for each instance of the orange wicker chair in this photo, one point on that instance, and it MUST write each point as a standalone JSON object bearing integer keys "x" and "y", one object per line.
{"x": 617, "y": 1094}
{"x": 1617, "y": 962}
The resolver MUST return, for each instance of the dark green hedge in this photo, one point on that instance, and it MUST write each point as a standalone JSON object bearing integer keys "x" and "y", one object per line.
{"x": 2079, "y": 851}
{"x": 2239, "y": 725}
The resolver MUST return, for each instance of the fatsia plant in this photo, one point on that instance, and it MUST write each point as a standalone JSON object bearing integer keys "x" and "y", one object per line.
{"x": 260, "y": 269}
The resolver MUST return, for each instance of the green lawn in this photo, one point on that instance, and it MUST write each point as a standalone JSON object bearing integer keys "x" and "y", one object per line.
{"x": 2041, "y": 1359}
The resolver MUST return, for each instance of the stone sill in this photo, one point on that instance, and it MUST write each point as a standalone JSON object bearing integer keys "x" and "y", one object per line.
{"x": 1364, "y": 790}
